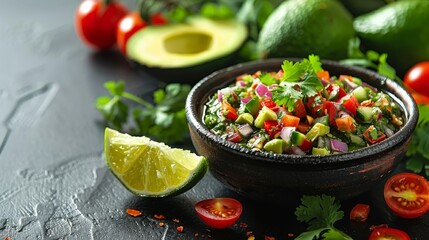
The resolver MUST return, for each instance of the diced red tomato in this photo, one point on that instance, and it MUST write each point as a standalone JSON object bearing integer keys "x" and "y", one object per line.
{"x": 306, "y": 145}
{"x": 290, "y": 121}
{"x": 335, "y": 92}
{"x": 269, "y": 103}
{"x": 232, "y": 134}
{"x": 272, "y": 127}
{"x": 345, "y": 124}
{"x": 315, "y": 105}
{"x": 229, "y": 111}
{"x": 299, "y": 109}
{"x": 359, "y": 212}
{"x": 331, "y": 111}
{"x": 351, "y": 104}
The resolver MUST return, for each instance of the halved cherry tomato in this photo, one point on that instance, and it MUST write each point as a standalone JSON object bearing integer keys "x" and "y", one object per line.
{"x": 359, "y": 212}
{"x": 385, "y": 233}
{"x": 128, "y": 25}
{"x": 419, "y": 98}
{"x": 219, "y": 212}
{"x": 417, "y": 78}
{"x": 96, "y": 23}
{"x": 407, "y": 195}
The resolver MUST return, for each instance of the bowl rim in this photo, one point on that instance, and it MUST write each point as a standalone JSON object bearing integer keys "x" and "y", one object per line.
{"x": 392, "y": 88}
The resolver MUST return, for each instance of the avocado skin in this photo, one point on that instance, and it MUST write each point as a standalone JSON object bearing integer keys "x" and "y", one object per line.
{"x": 399, "y": 29}
{"x": 359, "y": 7}
{"x": 186, "y": 75}
{"x": 298, "y": 28}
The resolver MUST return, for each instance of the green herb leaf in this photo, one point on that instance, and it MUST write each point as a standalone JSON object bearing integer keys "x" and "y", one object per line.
{"x": 165, "y": 121}
{"x": 267, "y": 79}
{"x": 418, "y": 156}
{"x": 320, "y": 212}
{"x": 216, "y": 11}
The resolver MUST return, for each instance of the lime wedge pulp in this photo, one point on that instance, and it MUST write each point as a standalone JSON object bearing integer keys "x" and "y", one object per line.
{"x": 151, "y": 169}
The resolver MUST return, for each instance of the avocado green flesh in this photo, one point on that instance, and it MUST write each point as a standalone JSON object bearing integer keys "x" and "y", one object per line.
{"x": 298, "y": 28}
{"x": 175, "y": 46}
{"x": 188, "y": 43}
{"x": 398, "y": 29}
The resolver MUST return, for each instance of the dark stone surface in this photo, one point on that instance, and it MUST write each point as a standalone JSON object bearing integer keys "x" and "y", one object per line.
{"x": 54, "y": 183}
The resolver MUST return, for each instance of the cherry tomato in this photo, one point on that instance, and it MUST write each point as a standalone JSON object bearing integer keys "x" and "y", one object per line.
{"x": 388, "y": 233}
{"x": 128, "y": 25}
{"x": 359, "y": 212}
{"x": 219, "y": 212}
{"x": 419, "y": 98}
{"x": 417, "y": 78}
{"x": 96, "y": 23}
{"x": 407, "y": 195}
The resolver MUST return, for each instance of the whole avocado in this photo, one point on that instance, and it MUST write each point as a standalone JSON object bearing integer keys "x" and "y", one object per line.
{"x": 399, "y": 29}
{"x": 298, "y": 28}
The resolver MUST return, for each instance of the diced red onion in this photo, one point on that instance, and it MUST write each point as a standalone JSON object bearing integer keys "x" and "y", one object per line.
{"x": 241, "y": 83}
{"x": 296, "y": 150}
{"x": 245, "y": 130}
{"x": 286, "y": 132}
{"x": 262, "y": 91}
{"x": 343, "y": 114}
{"x": 219, "y": 95}
{"x": 338, "y": 146}
{"x": 273, "y": 86}
{"x": 246, "y": 100}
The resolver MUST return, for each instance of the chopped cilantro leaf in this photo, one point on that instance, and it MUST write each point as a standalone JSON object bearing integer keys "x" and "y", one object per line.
{"x": 320, "y": 212}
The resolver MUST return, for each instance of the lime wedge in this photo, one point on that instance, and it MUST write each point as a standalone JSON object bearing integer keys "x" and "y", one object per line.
{"x": 151, "y": 169}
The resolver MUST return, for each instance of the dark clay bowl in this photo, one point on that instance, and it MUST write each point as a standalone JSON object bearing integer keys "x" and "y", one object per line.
{"x": 267, "y": 176}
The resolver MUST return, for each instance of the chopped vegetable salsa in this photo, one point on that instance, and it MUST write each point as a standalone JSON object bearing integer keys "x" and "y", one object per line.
{"x": 302, "y": 109}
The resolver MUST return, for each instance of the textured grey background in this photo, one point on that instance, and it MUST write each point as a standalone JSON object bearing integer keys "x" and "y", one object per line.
{"x": 53, "y": 180}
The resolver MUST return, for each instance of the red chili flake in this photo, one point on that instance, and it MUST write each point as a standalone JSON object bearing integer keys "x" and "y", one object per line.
{"x": 290, "y": 234}
{"x": 196, "y": 235}
{"x": 269, "y": 238}
{"x": 243, "y": 225}
{"x": 373, "y": 227}
{"x": 179, "y": 228}
{"x": 159, "y": 216}
{"x": 133, "y": 212}
{"x": 161, "y": 224}
{"x": 209, "y": 236}
{"x": 176, "y": 220}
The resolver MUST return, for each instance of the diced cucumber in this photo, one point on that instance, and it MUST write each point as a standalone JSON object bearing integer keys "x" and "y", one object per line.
{"x": 245, "y": 118}
{"x": 323, "y": 120}
{"x": 276, "y": 145}
{"x": 264, "y": 115}
{"x": 360, "y": 93}
{"x": 253, "y": 106}
{"x": 297, "y": 138}
{"x": 364, "y": 113}
{"x": 356, "y": 140}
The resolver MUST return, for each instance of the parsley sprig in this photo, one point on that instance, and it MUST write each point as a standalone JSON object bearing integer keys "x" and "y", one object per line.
{"x": 165, "y": 120}
{"x": 299, "y": 81}
{"x": 320, "y": 212}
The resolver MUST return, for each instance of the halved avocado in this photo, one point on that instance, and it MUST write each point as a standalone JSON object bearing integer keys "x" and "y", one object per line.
{"x": 186, "y": 52}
